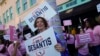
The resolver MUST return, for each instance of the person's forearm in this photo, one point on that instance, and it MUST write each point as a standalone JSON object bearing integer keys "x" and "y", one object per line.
{"x": 15, "y": 51}
{"x": 78, "y": 47}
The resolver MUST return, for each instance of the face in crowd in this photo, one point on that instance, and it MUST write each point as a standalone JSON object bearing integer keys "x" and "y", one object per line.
{"x": 87, "y": 24}
{"x": 40, "y": 23}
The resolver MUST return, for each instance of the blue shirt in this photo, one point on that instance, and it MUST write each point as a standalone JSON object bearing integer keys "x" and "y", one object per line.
{"x": 63, "y": 43}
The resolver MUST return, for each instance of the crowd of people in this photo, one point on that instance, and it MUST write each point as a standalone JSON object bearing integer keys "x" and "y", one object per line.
{"x": 17, "y": 48}
{"x": 67, "y": 47}
{"x": 92, "y": 48}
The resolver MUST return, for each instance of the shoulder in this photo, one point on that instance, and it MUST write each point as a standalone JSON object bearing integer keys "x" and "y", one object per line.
{"x": 10, "y": 47}
{"x": 96, "y": 29}
{"x": 88, "y": 30}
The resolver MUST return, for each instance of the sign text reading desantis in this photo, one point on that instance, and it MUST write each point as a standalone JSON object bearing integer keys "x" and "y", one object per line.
{"x": 42, "y": 44}
{"x": 43, "y": 10}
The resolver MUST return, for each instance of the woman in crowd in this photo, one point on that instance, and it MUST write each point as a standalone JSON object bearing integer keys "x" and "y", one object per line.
{"x": 13, "y": 48}
{"x": 96, "y": 42}
{"x": 71, "y": 44}
{"x": 18, "y": 47}
{"x": 89, "y": 26}
{"x": 93, "y": 26}
{"x": 81, "y": 47}
{"x": 42, "y": 25}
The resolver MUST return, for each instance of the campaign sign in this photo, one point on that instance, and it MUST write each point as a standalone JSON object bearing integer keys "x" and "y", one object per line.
{"x": 43, "y": 10}
{"x": 42, "y": 44}
{"x": 85, "y": 38}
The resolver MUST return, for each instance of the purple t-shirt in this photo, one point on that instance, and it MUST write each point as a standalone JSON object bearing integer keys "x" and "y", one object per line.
{"x": 71, "y": 39}
{"x": 11, "y": 49}
{"x": 96, "y": 32}
{"x": 88, "y": 30}
{"x": 83, "y": 50}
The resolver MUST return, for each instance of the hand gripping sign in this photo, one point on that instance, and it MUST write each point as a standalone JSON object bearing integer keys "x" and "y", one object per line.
{"x": 42, "y": 44}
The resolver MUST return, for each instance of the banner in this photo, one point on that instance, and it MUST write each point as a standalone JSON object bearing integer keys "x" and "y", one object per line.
{"x": 67, "y": 22}
{"x": 13, "y": 35}
{"x": 42, "y": 44}
{"x": 85, "y": 38}
{"x": 43, "y": 10}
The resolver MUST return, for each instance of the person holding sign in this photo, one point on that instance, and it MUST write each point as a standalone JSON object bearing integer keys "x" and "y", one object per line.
{"x": 82, "y": 47}
{"x": 13, "y": 49}
{"x": 89, "y": 25}
{"x": 93, "y": 26}
{"x": 17, "y": 48}
{"x": 42, "y": 25}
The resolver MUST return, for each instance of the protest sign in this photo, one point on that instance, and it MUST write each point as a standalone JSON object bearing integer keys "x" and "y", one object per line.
{"x": 67, "y": 22}
{"x": 42, "y": 44}
{"x": 43, "y": 10}
{"x": 13, "y": 35}
{"x": 28, "y": 35}
{"x": 47, "y": 10}
{"x": 85, "y": 38}
{"x": 98, "y": 7}
{"x": 7, "y": 37}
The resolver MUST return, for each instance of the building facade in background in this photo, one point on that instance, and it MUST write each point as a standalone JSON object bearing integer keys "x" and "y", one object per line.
{"x": 12, "y": 12}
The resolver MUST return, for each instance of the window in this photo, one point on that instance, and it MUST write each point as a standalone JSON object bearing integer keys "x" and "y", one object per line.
{"x": 10, "y": 12}
{"x": 18, "y": 6}
{"x": 32, "y": 2}
{"x": 24, "y": 3}
{"x": 7, "y": 16}
{"x": 4, "y": 17}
